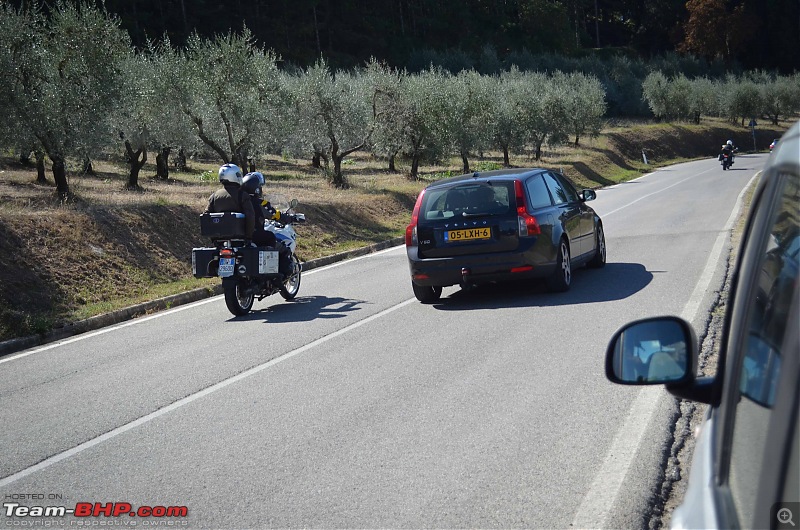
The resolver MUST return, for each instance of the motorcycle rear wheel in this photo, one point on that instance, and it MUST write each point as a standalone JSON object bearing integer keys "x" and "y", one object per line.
{"x": 291, "y": 286}
{"x": 238, "y": 299}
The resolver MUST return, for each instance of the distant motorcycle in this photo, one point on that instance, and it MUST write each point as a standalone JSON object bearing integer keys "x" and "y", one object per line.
{"x": 247, "y": 271}
{"x": 726, "y": 158}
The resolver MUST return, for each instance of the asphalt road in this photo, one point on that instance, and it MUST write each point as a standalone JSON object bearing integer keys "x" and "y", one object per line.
{"x": 356, "y": 406}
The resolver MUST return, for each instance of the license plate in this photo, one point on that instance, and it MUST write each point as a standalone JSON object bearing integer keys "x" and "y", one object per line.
{"x": 469, "y": 234}
{"x": 226, "y": 267}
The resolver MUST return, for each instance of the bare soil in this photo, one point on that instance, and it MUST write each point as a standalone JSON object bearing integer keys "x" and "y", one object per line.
{"x": 109, "y": 247}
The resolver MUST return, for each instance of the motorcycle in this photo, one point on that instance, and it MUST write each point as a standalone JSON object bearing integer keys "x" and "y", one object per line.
{"x": 726, "y": 156}
{"x": 249, "y": 272}
{"x": 726, "y": 159}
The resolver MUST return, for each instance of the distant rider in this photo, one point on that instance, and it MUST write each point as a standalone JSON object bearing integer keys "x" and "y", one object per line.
{"x": 728, "y": 149}
{"x": 232, "y": 198}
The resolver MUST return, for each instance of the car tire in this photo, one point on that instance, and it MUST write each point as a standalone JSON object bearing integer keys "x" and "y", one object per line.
{"x": 426, "y": 294}
{"x": 562, "y": 276}
{"x": 599, "y": 259}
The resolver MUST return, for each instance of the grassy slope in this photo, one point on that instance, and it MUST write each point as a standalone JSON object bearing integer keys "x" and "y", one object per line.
{"x": 113, "y": 248}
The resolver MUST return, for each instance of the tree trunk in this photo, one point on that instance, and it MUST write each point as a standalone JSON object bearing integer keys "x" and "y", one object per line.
{"x": 465, "y": 162}
{"x": 136, "y": 159}
{"x": 180, "y": 162}
{"x": 415, "y": 166}
{"x": 251, "y": 165}
{"x": 162, "y": 163}
{"x": 506, "y": 160}
{"x": 315, "y": 161}
{"x": 60, "y": 176}
{"x": 40, "y": 174}
{"x": 538, "y": 151}
{"x": 25, "y": 158}
{"x": 337, "y": 179}
{"x": 392, "y": 167}
{"x": 88, "y": 169}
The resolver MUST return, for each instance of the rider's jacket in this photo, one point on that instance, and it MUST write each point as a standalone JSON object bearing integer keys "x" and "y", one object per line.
{"x": 232, "y": 198}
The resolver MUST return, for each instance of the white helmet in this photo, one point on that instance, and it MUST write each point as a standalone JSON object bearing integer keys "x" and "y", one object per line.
{"x": 730, "y": 143}
{"x": 230, "y": 173}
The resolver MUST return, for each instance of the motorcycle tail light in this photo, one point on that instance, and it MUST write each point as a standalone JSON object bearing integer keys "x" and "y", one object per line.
{"x": 226, "y": 253}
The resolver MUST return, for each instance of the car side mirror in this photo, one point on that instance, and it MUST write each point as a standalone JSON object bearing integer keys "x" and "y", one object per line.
{"x": 588, "y": 195}
{"x": 653, "y": 351}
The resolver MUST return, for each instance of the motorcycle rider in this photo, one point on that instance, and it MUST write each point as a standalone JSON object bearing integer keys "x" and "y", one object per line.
{"x": 728, "y": 149}
{"x": 232, "y": 198}
{"x": 253, "y": 184}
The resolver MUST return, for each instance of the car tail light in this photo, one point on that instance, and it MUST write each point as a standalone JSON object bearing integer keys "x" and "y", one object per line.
{"x": 528, "y": 225}
{"x": 411, "y": 230}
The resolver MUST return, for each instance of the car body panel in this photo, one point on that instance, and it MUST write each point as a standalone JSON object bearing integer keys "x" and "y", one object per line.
{"x": 698, "y": 510}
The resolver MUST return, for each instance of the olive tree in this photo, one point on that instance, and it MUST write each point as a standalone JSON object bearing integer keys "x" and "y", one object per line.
{"x": 147, "y": 118}
{"x": 229, "y": 89}
{"x": 469, "y": 107}
{"x": 655, "y": 91}
{"x": 65, "y": 81}
{"x": 702, "y": 98}
{"x": 585, "y": 103}
{"x": 544, "y": 112}
{"x": 780, "y": 97}
{"x": 336, "y": 115}
{"x": 17, "y": 31}
{"x": 679, "y": 92}
{"x": 739, "y": 99}
{"x": 390, "y": 132}
{"x": 424, "y": 102}
{"x": 507, "y": 113}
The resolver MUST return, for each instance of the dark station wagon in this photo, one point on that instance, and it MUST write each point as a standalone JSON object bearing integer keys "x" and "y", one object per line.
{"x": 499, "y": 226}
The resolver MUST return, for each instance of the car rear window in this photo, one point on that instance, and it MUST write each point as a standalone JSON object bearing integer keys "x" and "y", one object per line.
{"x": 473, "y": 199}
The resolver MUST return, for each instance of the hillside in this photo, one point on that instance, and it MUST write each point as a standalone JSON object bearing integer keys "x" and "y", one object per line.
{"x": 112, "y": 248}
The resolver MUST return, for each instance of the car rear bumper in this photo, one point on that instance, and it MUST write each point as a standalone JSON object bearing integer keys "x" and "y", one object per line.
{"x": 475, "y": 269}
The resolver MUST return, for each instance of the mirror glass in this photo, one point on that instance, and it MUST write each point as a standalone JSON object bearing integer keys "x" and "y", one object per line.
{"x": 649, "y": 352}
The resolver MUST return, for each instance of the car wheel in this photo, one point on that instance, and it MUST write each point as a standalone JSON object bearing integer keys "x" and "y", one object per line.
{"x": 599, "y": 259}
{"x": 425, "y": 293}
{"x": 562, "y": 276}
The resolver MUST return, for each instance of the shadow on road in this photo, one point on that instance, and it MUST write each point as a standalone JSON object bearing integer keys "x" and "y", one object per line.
{"x": 615, "y": 281}
{"x": 303, "y": 309}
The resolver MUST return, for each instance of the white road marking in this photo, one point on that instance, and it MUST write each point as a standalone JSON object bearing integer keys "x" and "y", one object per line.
{"x": 44, "y": 464}
{"x": 161, "y": 314}
{"x": 654, "y": 193}
{"x": 109, "y": 329}
{"x": 607, "y": 484}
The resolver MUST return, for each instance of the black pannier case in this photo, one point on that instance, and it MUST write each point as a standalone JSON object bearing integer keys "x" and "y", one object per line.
{"x": 205, "y": 262}
{"x": 226, "y": 225}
